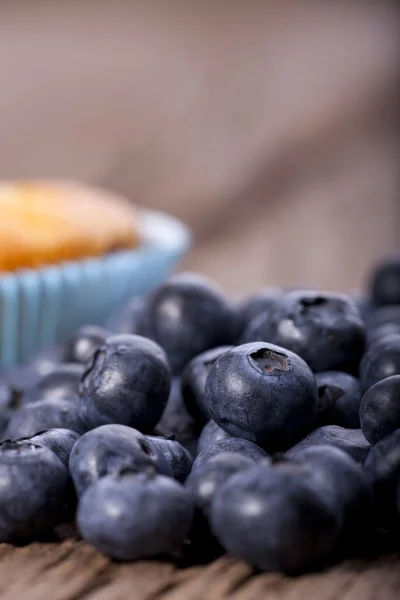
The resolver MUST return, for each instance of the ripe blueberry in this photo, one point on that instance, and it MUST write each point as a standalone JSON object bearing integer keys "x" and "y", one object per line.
{"x": 134, "y": 516}
{"x": 35, "y": 490}
{"x": 175, "y": 454}
{"x": 383, "y": 315}
{"x": 380, "y": 409}
{"x": 34, "y": 417}
{"x": 194, "y": 379}
{"x": 339, "y": 397}
{"x": 263, "y": 393}
{"x": 381, "y": 333}
{"x": 232, "y": 444}
{"x": 128, "y": 382}
{"x": 276, "y": 518}
{"x": 176, "y": 421}
{"x": 262, "y": 302}
{"x": 383, "y": 467}
{"x": 210, "y": 434}
{"x": 204, "y": 481}
{"x": 380, "y": 361}
{"x": 349, "y": 489}
{"x": 351, "y": 441}
{"x": 385, "y": 283}
{"x": 113, "y": 449}
{"x": 60, "y": 441}
{"x": 326, "y": 330}
{"x": 187, "y": 315}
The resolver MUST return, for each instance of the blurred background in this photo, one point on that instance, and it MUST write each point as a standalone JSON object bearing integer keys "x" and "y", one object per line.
{"x": 271, "y": 128}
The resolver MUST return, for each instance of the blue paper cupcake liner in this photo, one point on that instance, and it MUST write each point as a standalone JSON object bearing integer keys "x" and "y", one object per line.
{"x": 42, "y": 307}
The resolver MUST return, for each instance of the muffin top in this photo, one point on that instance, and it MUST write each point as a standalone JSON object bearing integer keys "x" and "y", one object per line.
{"x": 49, "y": 222}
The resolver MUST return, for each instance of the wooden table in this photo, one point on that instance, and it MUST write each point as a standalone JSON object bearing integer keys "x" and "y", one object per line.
{"x": 72, "y": 570}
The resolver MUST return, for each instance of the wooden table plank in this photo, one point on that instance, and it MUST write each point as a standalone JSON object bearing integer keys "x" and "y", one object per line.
{"x": 71, "y": 570}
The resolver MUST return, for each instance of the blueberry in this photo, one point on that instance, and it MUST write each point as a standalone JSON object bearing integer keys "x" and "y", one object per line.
{"x": 277, "y": 519}
{"x": 383, "y": 467}
{"x": 60, "y": 441}
{"x": 35, "y": 490}
{"x": 385, "y": 283}
{"x": 382, "y": 332}
{"x": 204, "y": 481}
{"x": 113, "y": 449}
{"x": 380, "y": 361}
{"x": 210, "y": 434}
{"x": 262, "y": 302}
{"x": 351, "y": 441}
{"x": 363, "y": 303}
{"x": 175, "y": 454}
{"x": 187, "y": 315}
{"x": 34, "y": 417}
{"x": 176, "y": 421}
{"x": 61, "y": 383}
{"x": 127, "y": 319}
{"x": 349, "y": 489}
{"x": 380, "y": 409}
{"x": 339, "y": 397}
{"x": 263, "y": 393}
{"x": 383, "y": 315}
{"x": 128, "y": 382}
{"x": 81, "y": 347}
{"x": 135, "y": 516}
{"x": 232, "y": 444}
{"x": 326, "y": 330}
{"x": 193, "y": 382}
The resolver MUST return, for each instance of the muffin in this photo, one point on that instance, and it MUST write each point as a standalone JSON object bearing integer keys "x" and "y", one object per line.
{"x": 50, "y": 222}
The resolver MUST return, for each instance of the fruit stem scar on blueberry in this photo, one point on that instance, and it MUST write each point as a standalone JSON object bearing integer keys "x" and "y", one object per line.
{"x": 145, "y": 448}
{"x": 317, "y": 301}
{"x": 14, "y": 446}
{"x": 268, "y": 360}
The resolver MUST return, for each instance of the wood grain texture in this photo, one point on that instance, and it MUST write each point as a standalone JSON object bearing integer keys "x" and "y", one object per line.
{"x": 72, "y": 570}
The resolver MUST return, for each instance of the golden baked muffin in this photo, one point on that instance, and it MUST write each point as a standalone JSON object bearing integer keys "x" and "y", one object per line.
{"x": 48, "y": 222}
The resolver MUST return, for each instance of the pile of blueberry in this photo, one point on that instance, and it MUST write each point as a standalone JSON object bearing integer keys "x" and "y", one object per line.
{"x": 191, "y": 425}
